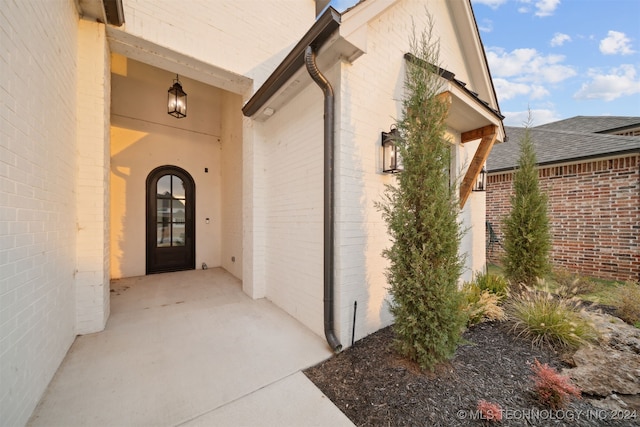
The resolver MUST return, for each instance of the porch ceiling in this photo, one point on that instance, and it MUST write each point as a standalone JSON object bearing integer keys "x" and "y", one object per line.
{"x": 144, "y": 51}
{"x": 466, "y": 113}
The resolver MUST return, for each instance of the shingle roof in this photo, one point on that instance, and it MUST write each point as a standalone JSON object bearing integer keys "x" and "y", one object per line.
{"x": 449, "y": 76}
{"x": 555, "y": 146}
{"x": 592, "y": 124}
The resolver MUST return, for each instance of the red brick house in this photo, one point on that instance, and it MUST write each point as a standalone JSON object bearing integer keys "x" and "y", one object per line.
{"x": 590, "y": 169}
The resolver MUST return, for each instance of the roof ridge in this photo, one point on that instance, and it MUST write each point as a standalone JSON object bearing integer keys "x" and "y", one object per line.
{"x": 589, "y": 117}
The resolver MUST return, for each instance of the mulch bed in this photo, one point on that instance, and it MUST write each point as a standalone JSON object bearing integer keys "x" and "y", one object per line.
{"x": 374, "y": 386}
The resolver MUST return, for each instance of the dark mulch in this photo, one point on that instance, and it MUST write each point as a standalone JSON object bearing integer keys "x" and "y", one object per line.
{"x": 374, "y": 386}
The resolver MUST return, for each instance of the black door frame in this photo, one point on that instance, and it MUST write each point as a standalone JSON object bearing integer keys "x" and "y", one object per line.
{"x": 151, "y": 220}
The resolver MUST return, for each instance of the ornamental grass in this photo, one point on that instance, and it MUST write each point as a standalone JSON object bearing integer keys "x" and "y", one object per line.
{"x": 549, "y": 320}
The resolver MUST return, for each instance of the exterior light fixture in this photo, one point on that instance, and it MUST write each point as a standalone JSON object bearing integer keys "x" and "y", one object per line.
{"x": 391, "y": 160}
{"x": 481, "y": 181}
{"x": 177, "y": 100}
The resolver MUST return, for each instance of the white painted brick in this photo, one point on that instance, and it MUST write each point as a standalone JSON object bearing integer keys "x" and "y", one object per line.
{"x": 92, "y": 208}
{"x": 371, "y": 98}
{"x": 261, "y": 32}
{"x": 37, "y": 174}
{"x": 294, "y": 208}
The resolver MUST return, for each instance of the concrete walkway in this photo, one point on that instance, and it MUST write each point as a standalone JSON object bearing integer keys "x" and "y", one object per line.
{"x": 190, "y": 349}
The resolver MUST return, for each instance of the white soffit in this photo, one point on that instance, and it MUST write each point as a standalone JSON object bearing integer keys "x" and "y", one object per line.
{"x": 467, "y": 113}
{"x": 333, "y": 51}
{"x": 149, "y": 53}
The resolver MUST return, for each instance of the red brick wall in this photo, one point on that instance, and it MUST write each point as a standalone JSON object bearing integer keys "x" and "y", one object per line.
{"x": 594, "y": 210}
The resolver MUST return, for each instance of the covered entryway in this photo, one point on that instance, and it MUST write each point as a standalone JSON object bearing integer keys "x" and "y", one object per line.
{"x": 170, "y": 220}
{"x": 176, "y": 184}
{"x": 189, "y": 348}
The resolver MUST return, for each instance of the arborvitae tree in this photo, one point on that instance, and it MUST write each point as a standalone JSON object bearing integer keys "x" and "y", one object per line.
{"x": 527, "y": 236}
{"x": 421, "y": 214}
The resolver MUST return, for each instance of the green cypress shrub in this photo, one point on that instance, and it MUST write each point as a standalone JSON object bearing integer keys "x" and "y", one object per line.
{"x": 421, "y": 215}
{"x": 527, "y": 236}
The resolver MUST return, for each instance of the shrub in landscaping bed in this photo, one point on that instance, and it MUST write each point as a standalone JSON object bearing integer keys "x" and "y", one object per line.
{"x": 549, "y": 320}
{"x": 493, "y": 283}
{"x": 573, "y": 284}
{"x": 629, "y": 303}
{"x": 424, "y": 257}
{"x": 490, "y": 411}
{"x": 527, "y": 235}
{"x": 552, "y": 389}
{"x": 480, "y": 304}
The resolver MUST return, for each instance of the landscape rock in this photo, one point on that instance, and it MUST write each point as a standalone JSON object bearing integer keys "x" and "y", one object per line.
{"x": 615, "y": 333}
{"x": 613, "y": 365}
{"x": 610, "y": 403}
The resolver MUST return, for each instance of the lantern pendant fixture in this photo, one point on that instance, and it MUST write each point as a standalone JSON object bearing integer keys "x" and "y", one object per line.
{"x": 391, "y": 160}
{"x": 177, "y": 100}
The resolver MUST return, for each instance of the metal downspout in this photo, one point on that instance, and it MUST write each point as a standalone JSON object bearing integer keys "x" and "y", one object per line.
{"x": 329, "y": 125}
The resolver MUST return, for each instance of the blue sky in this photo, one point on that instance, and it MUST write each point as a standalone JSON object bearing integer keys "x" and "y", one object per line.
{"x": 560, "y": 58}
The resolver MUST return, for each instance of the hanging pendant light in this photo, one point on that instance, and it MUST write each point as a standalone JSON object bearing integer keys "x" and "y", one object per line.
{"x": 177, "y": 100}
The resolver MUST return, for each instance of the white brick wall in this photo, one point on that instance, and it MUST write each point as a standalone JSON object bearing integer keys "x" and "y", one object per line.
{"x": 92, "y": 276}
{"x": 293, "y": 200}
{"x": 37, "y": 198}
{"x": 247, "y": 37}
{"x": 370, "y": 101}
{"x": 472, "y": 214}
{"x": 371, "y": 97}
{"x": 231, "y": 170}
{"x": 291, "y": 142}
{"x": 253, "y": 211}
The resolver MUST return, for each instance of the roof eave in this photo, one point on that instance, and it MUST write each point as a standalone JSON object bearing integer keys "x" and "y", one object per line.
{"x": 465, "y": 95}
{"x": 571, "y": 160}
{"x": 320, "y": 32}
{"x": 632, "y": 126}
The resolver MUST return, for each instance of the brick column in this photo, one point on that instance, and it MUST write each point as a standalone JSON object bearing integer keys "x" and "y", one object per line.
{"x": 92, "y": 189}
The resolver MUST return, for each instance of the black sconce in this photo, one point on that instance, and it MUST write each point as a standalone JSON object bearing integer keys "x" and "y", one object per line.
{"x": 391, "y": 160}
{"x": 177, "y": 100}
{"x": 481, "y": 181}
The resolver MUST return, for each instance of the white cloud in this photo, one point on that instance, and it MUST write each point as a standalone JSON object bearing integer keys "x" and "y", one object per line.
{"x": 526, "y": 72}
{"x": 508, "y": 90}
{"x": 493, "y": 4}
{"x": 539, "y": 92}
{"x": 543, "y": 7}
{"x": 559, "y": 39}
{"x": 528, "y": 65}
{"x": 616, "y": 42}
{"x": 486, "y": 25}
{"x": 525, "y": 8}
{"x": 546, "y": 7}
{"x": 620, "y": 81}
{"x": 539, "y": 117}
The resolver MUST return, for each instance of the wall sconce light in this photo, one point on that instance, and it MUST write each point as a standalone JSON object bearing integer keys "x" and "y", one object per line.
{"x": 177, "y": 100}
{"x": 391, "y": 160}
{"x": 481, "y": 181}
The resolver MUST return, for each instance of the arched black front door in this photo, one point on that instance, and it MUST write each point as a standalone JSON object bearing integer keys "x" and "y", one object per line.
{"x": 171, "y": 206}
